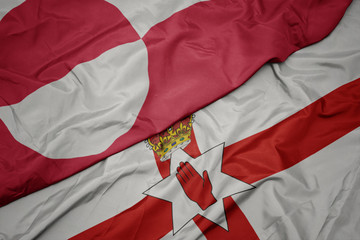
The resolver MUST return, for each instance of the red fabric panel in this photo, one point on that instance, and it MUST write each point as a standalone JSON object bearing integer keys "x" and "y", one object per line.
{"x": 238, "y": 225}
{"x": 41, "y": 41}
{"x": 148, "y": 219}
{"x": 163, "y": 167}
{"x": 207, "y": 50}
{"x": 295, "y": 138}
{"x": 193, "y": 149}
{"x": 23, "y": 171}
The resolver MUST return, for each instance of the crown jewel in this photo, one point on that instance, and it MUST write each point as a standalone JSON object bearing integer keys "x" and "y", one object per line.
{"x": 173, "y": 138}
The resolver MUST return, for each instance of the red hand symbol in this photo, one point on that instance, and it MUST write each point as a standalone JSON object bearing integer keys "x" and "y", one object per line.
{"x": 198, "y": 189}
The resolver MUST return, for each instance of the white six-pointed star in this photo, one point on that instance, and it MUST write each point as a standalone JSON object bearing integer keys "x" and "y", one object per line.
{"x": 183, "y": 208}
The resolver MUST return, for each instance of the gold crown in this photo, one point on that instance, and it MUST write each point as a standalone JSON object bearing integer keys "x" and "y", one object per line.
{"x": 173, "y": 138}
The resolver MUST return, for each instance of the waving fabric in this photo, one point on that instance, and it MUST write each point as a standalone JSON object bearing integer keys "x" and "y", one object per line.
{"x": 277, "y": 158}
{"x": 83, "y": 80}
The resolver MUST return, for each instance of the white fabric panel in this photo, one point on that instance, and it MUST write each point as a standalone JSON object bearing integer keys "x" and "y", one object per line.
{"x": 144, "y": 14}
{"x": 279, "y": 90}
{"x": 190, "y": 232}
{"x": 83, "y": 200}
{"x": 306, "y": 200}
{"x": 8, "y": 5}
{"x": 343, "y": 221}
{"x": 85, "y": 111}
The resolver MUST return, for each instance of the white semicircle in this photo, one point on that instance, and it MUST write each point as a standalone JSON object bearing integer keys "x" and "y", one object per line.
{"x": 84, "y": 112}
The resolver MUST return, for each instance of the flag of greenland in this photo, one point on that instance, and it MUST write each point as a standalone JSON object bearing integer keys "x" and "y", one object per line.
{"x": 92, "y": 75}
{"x": 82, "y": 80}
